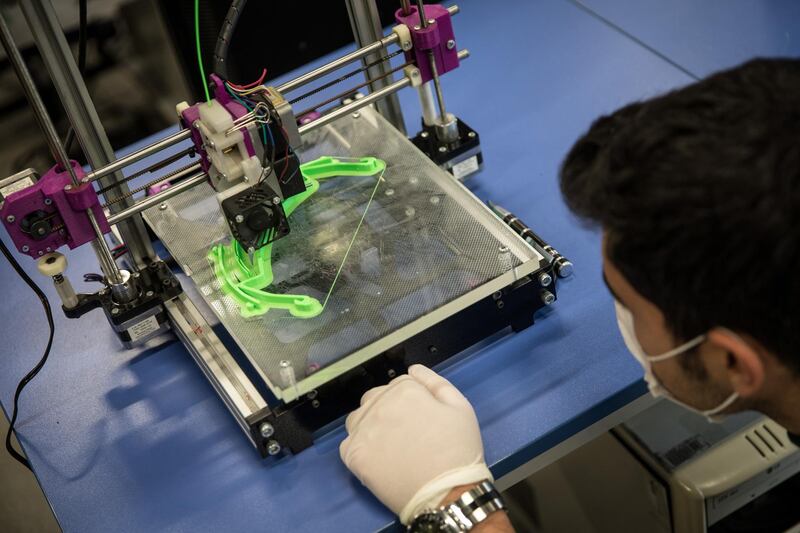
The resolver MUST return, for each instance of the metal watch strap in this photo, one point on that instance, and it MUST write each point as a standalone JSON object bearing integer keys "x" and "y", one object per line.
{"x": 475, "y": 505}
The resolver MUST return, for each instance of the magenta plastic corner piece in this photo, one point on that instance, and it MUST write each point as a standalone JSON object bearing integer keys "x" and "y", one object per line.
{"x": 438, "y": 38}
{"x": 62, "y": 206}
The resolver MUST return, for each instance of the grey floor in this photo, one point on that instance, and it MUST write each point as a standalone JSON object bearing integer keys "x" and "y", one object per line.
{"x": 23, "y": 507}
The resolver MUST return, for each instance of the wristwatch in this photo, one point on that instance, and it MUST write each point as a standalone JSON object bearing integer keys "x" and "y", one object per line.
{"x": 470, "y": 509}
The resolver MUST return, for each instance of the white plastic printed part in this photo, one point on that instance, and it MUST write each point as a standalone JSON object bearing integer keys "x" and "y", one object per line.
{"x": 181, "y": 107}
{"x": 52, "y": 264}
{"x": 215, "y": 117}
{"x": 413, "y": 74}
{"x": 251, "y": 167}
{"x": 404, "y": 35}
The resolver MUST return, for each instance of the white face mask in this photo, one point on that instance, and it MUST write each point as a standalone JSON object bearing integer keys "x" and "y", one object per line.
{"x": 626, "y": 327}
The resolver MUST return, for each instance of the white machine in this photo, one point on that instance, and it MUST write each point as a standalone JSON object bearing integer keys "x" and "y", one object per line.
{"x": 669, "y": 470}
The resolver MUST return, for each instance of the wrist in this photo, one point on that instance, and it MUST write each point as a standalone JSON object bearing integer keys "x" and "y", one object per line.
{"x": 495, "y": 522}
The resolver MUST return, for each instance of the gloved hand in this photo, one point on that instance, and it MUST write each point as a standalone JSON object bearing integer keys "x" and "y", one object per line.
{"x": 414, "y": 440}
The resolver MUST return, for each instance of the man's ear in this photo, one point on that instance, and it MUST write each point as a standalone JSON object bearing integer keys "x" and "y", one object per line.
{"x": 744, "y": 365}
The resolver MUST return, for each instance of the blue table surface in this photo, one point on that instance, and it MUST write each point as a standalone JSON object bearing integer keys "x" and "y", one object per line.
{"x": 710, "y": 35}
{"x": 138, "y": 440}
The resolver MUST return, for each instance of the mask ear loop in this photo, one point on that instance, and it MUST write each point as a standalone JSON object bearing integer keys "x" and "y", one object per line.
{"x": 677, "y": 351}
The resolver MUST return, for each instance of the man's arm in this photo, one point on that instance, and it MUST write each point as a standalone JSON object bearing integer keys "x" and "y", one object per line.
{"x": 415, "y": 443}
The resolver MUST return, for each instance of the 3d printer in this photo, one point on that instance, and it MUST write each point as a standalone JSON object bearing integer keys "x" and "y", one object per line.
{"x": 335, "y": 251}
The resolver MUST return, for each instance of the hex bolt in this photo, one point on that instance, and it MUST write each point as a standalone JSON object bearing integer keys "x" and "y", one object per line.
{"x": 276, "y": 200}
{"x": 273, "y": 448}
{"x": 548, "y": 297}
{"x": 451, "y": 44}
{"x": 266, "y": 430}
{"x": 10, "y": 219}
{"x": 239, "y": 219}
{"x": 545, "y": 279}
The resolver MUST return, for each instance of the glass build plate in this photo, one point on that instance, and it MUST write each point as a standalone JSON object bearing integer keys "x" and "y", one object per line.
{"x": 426, "y": 250}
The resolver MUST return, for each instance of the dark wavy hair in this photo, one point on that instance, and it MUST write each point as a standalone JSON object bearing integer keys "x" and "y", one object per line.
{"x": 698, "y": 191}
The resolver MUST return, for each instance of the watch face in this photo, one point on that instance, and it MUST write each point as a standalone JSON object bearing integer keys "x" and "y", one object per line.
{"x": 428, "y": 523}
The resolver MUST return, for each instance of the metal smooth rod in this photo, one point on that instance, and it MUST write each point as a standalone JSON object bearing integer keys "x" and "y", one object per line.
{"x": 337, "y": 64}
{"x": 129, "y": 159}
{"x": 57, "y": 149}
{"x": 355, "y": 105}
{"x": 156, "y": 199}
{"x": 405, "y": 5}
{"x": 58, "y": 58}
{"x": 39, "y": 110}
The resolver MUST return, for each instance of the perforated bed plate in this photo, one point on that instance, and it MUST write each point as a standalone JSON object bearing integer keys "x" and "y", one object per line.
{"x": 427, "y": 249}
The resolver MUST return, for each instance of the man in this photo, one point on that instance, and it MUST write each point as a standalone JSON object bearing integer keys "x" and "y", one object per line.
{"x": 697, "y": 196}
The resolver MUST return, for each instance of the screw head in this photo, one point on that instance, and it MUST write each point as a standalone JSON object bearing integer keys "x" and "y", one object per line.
{"x": 431, "y": 21}
{"x": 548, "y": 297}
{"x": 443, "y": 149}
{"x": 503, "y": 249}
{"x": 135, "y": 274}
{"x": 273, "y": 448}
{"x": 417, "y": 28}
{"x": 500, "y": 304}
{"x": 391, "y": 373}
{"x": 472, "y": 135}
{"x": 251, "y": 250}
{"x": 41, "y": 252}
{"x": 451, "y": 44}
{"x": 545, "y": 279}
{"x": 239, "y": 219}
{"x": 115, "y": 311}
{"x": 315, "y": 403}
{"x": 149, "y": 294}
{"x": 266, "y": 430}
{"x": 497, "y": 295}
{"x": 163, "y": 206}
{"x": 424, "y": 134}
{"x": 356, "y": 114}
{"x": 311, "y": 395}
{"x": 68, "y": 187}
{"x": 25, "y": 248}
{"x": 10, "y": 219}
{"x": 276, "y": 200}
{"x": 48, "y": 201}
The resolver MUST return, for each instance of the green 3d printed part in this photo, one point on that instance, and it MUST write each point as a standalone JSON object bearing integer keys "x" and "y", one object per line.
{"x": 244, "y": 279}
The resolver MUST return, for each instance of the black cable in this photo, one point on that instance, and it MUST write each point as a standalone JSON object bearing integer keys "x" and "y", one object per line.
{"x": 83, "y": 15}
{"x": 225, "y": 36}
{"x": 32, "y": 374}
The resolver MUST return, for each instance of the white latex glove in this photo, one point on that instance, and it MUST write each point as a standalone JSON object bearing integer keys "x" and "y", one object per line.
{"x": 412, "y": 441}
